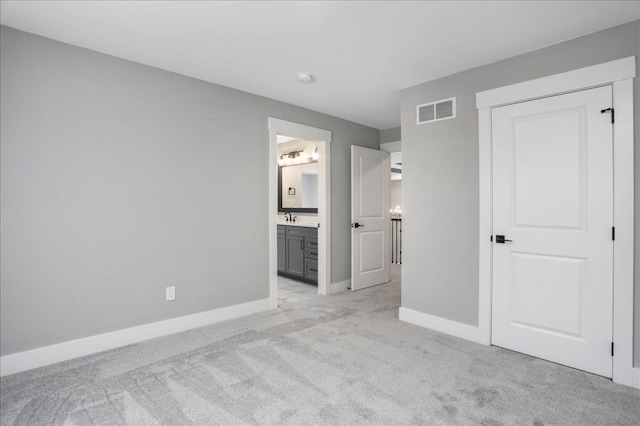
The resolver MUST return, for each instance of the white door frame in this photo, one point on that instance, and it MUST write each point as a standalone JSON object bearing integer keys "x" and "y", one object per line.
{"x": 323, "y": 137}
{"x": 619, "y": 74}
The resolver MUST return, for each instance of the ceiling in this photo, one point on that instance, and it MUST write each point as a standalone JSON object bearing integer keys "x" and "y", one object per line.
{"x": 294, "y": 144}
{"x": 360, "y": 53}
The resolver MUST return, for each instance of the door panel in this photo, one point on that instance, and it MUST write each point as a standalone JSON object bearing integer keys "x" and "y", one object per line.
{"x": 371, "y": 223}
{"x": 538, "y": 303}
{"x": 549, "y": 171}
{"x": 553, "y": 197}
{"x": 371, "y": 182}
{"x": 371, "y": 257}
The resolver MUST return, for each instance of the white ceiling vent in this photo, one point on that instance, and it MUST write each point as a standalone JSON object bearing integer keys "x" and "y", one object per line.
{"x": 436, "y": 111}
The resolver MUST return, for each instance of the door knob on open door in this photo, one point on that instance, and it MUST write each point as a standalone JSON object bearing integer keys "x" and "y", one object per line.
{"x": 500, "y": 239}
{"x": 357, "y": 225}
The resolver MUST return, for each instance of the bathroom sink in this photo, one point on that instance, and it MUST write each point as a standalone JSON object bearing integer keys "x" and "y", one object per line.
{"x": 302, "y": 224}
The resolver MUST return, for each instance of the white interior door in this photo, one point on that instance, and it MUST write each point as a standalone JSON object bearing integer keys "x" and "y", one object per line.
{"x": 553, "y": 198}
{"x": 370, "y": 220}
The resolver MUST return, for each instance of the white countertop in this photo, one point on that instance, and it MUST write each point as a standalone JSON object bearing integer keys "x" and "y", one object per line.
{"x": 301, "y": 224}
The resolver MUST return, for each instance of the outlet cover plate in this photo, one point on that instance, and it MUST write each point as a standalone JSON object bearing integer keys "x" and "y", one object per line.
{"x": 171, "y": 293}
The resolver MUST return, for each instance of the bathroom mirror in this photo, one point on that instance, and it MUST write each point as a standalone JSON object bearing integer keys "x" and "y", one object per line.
{"x": 298, "y": 188}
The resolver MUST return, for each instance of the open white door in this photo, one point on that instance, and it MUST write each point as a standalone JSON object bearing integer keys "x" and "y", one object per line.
{"x": 370, "y": 221}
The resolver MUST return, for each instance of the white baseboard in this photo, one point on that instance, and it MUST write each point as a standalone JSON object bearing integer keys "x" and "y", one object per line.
{"x": 27, "y": 360}
{"x": 442, "y": 325}
{"x": 339, "y": 287}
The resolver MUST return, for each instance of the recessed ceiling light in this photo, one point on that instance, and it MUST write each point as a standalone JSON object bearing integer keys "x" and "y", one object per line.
{"x": 304, "y": 77}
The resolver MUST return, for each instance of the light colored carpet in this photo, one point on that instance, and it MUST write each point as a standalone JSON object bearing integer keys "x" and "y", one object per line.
{"x": 340, "y": 360}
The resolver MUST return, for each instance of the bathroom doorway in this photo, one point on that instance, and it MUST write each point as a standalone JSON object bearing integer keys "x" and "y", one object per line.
{"x": 320, "y": 139}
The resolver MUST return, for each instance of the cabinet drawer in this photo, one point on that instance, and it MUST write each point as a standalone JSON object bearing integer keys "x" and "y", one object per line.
{"x": 311, "y": 269}
{"x": 311, "y": 243}
{"x": 302, "y": 232}
{"x": 311, "y": 253}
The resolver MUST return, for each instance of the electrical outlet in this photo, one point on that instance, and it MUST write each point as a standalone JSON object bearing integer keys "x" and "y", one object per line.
{"x": 171, "y": 293}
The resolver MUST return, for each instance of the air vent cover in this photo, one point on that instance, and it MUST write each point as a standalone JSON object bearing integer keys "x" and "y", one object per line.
{"x": 436, "y": 111}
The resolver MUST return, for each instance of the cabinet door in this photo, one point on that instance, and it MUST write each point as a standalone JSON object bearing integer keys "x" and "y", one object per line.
{"x": 311, "y": 269}
{"x": 282, "y": 253}
{"x": 295, "y": 255}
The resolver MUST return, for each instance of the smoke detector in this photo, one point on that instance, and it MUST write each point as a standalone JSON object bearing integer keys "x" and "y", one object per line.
{"x": 305, "y": 77}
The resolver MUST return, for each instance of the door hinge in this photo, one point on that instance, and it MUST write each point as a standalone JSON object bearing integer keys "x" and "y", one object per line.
{"x": 611, "y": 348}
{"x": 491, "y": 238}
{"x": 613, "y": 233}
{"x": 613, "y": 114}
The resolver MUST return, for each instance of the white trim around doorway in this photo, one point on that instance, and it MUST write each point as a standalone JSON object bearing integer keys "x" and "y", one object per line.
{"x": 619, "y": 74}
{"x": 323, "y": 137}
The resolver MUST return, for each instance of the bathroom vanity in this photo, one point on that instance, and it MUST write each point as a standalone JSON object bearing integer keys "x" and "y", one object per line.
{"x": 298, "y": 251}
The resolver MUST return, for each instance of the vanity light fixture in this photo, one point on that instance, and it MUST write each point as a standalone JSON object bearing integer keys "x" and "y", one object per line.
{"x": 294, "y": 157}
{"x": 290, "y": 158}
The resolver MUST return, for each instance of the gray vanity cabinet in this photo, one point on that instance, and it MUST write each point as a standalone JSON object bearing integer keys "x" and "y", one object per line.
{"x": 282, "y": 248}
{"x": 298, "y": 252}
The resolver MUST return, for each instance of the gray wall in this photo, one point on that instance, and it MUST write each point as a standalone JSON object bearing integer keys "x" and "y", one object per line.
{"x": 440, "y": 173}
{"x": 390, "y": 135}
{"x": 119, "y": 179}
